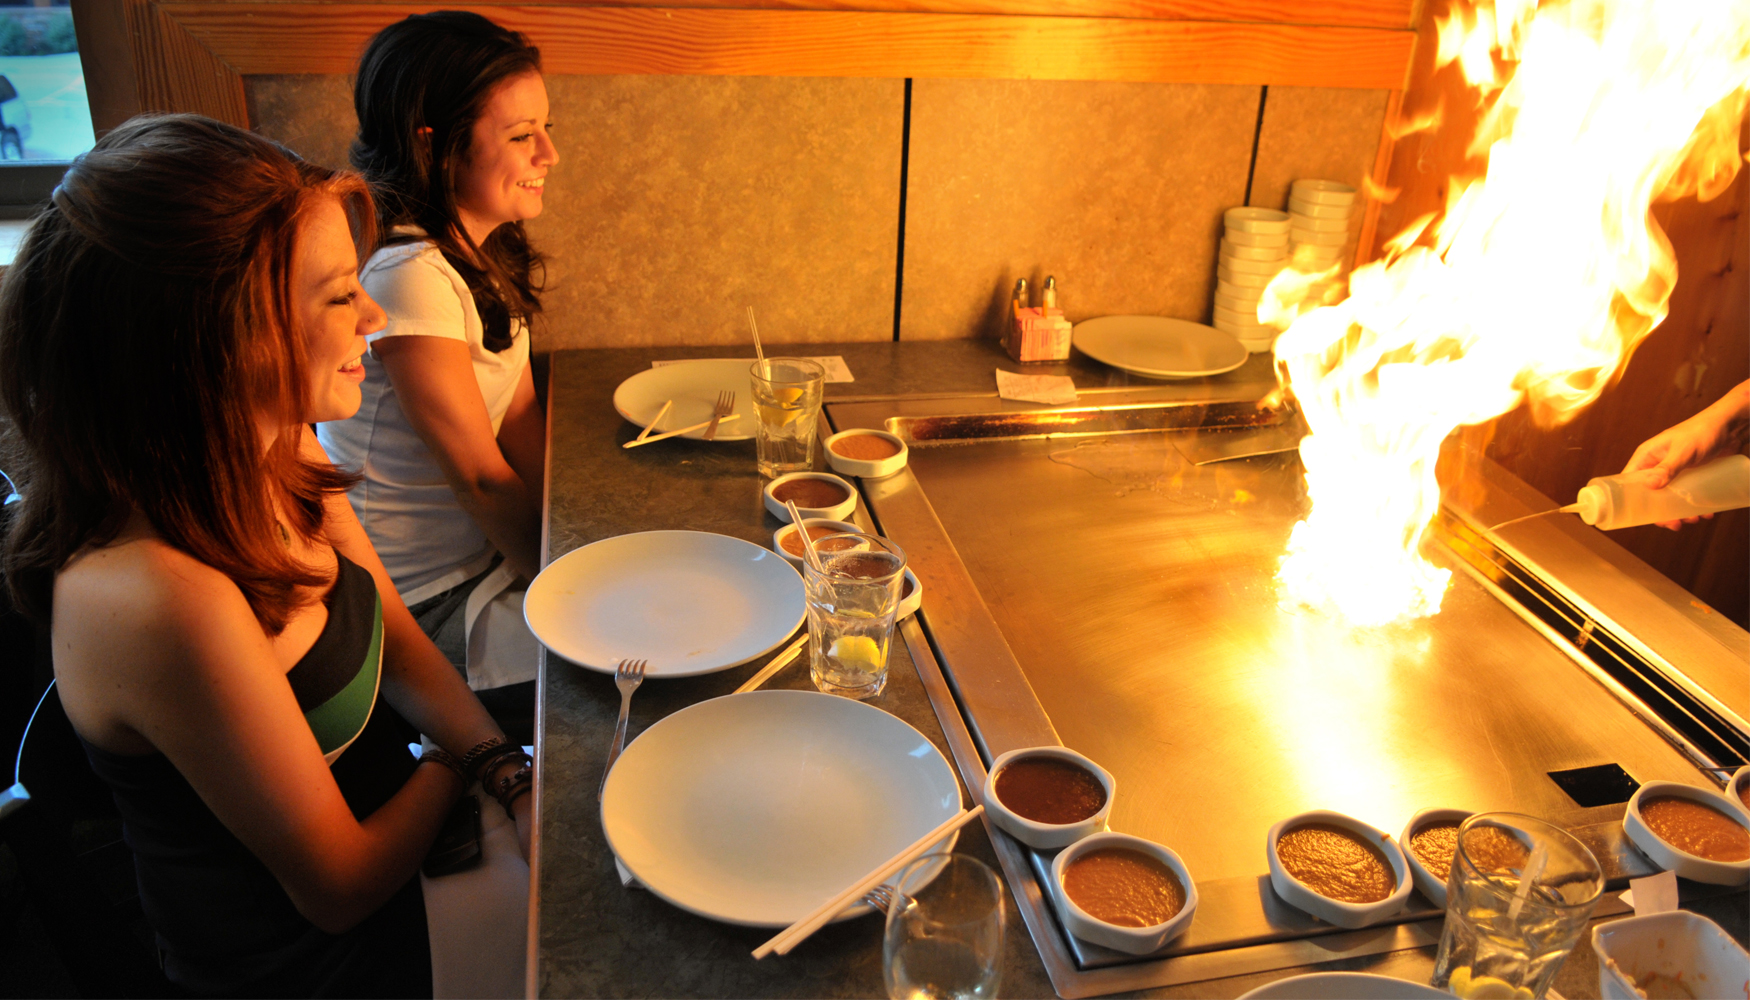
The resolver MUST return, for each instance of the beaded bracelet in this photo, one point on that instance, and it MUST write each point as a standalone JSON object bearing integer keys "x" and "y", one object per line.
{"x": 474, "y": 757}
{"x": 493, "y": 759}
{"x": 438, "y": 755}
{"x": 507, "y": 790}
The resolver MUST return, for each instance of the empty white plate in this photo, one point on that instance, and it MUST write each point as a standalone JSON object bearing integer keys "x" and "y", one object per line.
{"x": 755, "y": 808}
{"x": 690, "y": 602}
{"x": 1344, "y": 986}
{"x": 693, "y": 385}
{"x": 1158, "y": 346}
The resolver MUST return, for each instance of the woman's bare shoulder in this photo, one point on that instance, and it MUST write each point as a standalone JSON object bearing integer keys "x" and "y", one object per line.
{"x": 136, "y": 623}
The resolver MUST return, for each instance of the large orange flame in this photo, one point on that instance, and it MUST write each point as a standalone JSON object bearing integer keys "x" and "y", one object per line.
{"x": 1534, "y": 285}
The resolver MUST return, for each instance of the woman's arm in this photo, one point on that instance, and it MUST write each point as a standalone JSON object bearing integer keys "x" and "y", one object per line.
{"x": 164, "y": 650}
{"x": 522, "y": 436}
{"x": 417, "y": 679}
{"x": 434, "y": 378}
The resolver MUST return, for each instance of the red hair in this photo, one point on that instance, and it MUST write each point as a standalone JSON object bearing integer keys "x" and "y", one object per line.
{"x": 145, "y": 325}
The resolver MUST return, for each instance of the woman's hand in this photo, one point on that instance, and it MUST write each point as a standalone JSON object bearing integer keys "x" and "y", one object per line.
{"x": 1691, "y": 443}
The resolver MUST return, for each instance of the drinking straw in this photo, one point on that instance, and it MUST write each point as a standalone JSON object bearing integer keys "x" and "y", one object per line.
{"x": 758, "y": 352}
{"x": 807, "y": 542}
{"x": 1533, "y": 868}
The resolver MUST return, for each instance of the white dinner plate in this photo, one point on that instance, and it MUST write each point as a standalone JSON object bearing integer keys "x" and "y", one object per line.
{"x": 693, "y": 385}
{"x": 1344, "y": 986}
{"x": 689, "y": 602}
{"x": 1159, "y": 347}
{"x": 755, "y": 808}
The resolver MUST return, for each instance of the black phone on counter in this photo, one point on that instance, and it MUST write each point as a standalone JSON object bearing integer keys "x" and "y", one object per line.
{"x": 457, "y": 847}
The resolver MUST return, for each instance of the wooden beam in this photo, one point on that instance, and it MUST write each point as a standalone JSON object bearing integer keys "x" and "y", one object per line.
{"x": 269, "y": 37}
{"x": 1352, "y": 13}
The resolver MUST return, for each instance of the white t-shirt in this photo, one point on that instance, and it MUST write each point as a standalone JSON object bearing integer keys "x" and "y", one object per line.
{"x": 426, "y": 540}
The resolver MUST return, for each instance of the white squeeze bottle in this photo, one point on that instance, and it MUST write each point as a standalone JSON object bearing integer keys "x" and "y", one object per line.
{"x": 1624, "y": 500}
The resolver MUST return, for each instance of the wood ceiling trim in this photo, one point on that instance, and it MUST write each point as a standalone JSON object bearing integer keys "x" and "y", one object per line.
{"x": 278, "y": 37}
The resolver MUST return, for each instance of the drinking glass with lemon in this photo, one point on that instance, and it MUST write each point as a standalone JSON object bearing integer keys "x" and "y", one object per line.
{"x": 852, "y": 600}
{"x": 786, "y": 397}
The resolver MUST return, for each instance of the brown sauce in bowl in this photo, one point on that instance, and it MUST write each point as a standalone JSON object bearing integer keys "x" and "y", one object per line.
{"x": 1124, "y": 887}
{"x": 1696, "y": 828}
{"x": 865, "y": 447}
{"x": 1336, "y": 863}
{"x": 905, "y": 591}
{"x": 1494, "y": 851}
{"x": 1050, "y": 790}
{"x": 1434, "y": 846}
{"x": 1744, "y": 793}
{"x": 813, "y": 493}
{"x": 793, "y": 542}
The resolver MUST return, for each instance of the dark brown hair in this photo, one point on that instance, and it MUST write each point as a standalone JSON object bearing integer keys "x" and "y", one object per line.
{"x": 145, "y": 325}
{"x": 437, "y": 71}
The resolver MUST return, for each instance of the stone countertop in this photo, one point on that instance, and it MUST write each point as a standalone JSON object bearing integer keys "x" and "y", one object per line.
{"x": 596, "y": 938}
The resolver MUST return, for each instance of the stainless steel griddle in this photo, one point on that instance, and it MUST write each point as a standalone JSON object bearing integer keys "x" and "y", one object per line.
{"x": 1088, "y": 583}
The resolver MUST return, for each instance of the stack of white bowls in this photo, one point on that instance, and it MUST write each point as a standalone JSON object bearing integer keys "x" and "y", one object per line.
{"x": 1319, "y": 214}
{"x": 1253, "y": 249}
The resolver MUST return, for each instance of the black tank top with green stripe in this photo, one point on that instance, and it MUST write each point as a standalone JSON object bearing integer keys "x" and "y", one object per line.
{"x": 224, "y": 924}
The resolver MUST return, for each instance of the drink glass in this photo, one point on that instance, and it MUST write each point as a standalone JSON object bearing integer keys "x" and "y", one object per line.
{"x": 1518, "y": 896}
{"x": 852, "y": 600}
{"x": 786, "y": 398}
{"x": 944, "y": 930}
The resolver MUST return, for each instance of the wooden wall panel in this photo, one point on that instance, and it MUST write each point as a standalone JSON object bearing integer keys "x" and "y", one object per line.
{"x": 1355, "y": 13}
{"x": 265, "y": 37}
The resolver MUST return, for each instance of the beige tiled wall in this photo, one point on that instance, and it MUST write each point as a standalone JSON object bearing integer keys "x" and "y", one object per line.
{"x": 1116, "y": 189}
{"x": 680, "y": 200}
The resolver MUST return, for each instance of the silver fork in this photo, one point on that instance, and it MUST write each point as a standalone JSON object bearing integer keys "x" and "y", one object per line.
{"x": 880, "y": 897}
{"x": 627, "y": 676}
{"x": 725, "y": 406}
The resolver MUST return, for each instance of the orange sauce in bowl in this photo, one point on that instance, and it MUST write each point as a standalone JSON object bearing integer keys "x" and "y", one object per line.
{"x": 793, "y": 542}
{"x": 865, "y": 447}
{"x": 1434, "y": 846}
{"x": 1336, "y": 863}
{"x": 1050, "y": 790}
{"x": 1744, "y": 793}
{"x": 1696, "y": 828}
{"x": 1124, "y": 887}
{"x": 815, "y": 494}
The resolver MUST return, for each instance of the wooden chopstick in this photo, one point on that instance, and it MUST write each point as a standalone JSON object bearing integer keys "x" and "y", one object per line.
{"x": 665, "y": 435}
{"x": 800, "y": 931}
{"x": 652, "y": 425}
{"x": 778, "y": 663}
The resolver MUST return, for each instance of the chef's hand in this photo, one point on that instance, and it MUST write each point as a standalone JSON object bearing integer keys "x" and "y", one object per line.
{"x": 1691, "y": 443}
{"x": 523, "y": 811}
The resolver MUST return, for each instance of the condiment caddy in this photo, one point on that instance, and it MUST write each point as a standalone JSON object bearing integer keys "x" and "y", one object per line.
{"x": 1036, "y": 332}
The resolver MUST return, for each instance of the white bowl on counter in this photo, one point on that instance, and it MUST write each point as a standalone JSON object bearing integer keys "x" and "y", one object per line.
{"x": 1307, "y": 237}
{"x": 1236, "y": 251}
{"x": 1685, "y": 949}
{"x": 867, "y": 468}
{"x": 1738, "y": 786}
{"x": 1255, "y": 220}
{"x": 1335, "y": 911}
{"x": 1244, "y": 279}
{"x": 1130, "y": 940}
{"x": 1241, "y": 238}
{"x": 1248, "y": 318}
{"x": 1322, "y": 192}
{"x": 1430, "y": 883}
{"x": 836, "y": 512}
{"x": 1313, "y": 210}
{"x": 1307, "y": 222}
{"x": 833, "y": 528}
{"x": 1242, "y": 266}
{"x": 1248, "y": 296}
{"x": 1045, "y": 836}
{"x": 910, "y": 603}
{"x": 1259, "y": 345}
{"x": 1675, "y": 859}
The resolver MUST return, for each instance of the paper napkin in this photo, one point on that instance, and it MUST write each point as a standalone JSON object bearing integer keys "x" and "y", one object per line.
{"x": 1054, "y": 389}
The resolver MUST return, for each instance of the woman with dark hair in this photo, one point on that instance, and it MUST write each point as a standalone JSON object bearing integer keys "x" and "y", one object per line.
{"x": 449, "y": 442}
{"x": 226, "y": 644}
